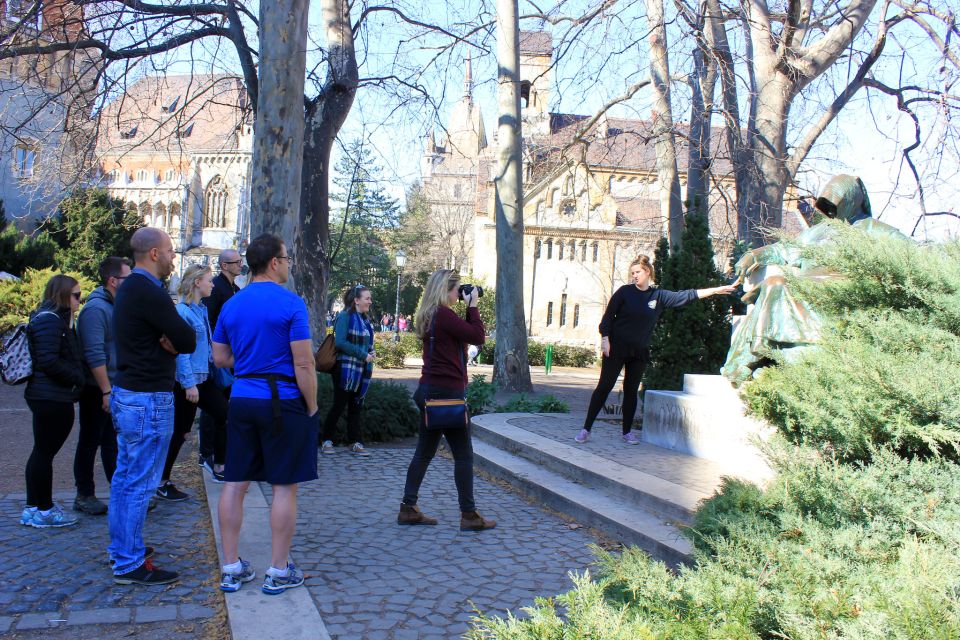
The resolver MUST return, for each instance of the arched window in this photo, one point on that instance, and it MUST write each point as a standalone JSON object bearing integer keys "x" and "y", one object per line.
{"x": 524, "y": 94}
{"x": 536, "y": 249}
{"x": 560, "y": 250}
{"x": 174, "y": 216}
{"x": 160, "y": 216}
{"x": 146, "y": 213}
{"x": 215, "y": 204}
{"x": 549, "y": 248}
{"x": 596, "y": 251}
{"x": 583, "y": 251}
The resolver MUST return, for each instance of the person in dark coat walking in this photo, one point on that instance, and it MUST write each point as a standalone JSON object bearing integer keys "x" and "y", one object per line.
{"x": 58, "y": 378}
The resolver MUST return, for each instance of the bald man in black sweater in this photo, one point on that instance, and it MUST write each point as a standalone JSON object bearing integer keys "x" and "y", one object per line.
{"x": 149, "y": 333}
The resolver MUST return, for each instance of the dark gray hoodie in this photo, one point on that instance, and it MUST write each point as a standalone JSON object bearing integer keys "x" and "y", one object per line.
{"x": 95, "y": 329}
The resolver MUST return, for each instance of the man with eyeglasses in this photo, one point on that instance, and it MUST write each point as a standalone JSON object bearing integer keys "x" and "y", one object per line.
{"x": 224, "y": 286}
{"x": 264, "y": 334}
{"x": 95, "y": 330}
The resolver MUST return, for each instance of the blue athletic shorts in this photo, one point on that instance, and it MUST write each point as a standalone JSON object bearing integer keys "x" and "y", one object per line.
{"x": 255, "y": 452}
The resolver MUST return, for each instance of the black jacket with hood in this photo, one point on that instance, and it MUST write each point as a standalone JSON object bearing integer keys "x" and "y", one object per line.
{"x": 58, "y": 369}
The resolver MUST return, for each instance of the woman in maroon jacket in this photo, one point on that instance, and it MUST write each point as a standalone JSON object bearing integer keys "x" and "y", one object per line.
{"x": 444, "y": 376}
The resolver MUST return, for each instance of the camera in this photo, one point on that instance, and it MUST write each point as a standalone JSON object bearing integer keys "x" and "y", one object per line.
{"x": 467, "y": 289}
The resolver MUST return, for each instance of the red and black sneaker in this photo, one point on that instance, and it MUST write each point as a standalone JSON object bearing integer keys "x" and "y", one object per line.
{"x": 146, "y": 574}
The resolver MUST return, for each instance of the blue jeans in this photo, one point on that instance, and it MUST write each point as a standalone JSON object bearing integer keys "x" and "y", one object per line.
{"x": 144, "y": 424}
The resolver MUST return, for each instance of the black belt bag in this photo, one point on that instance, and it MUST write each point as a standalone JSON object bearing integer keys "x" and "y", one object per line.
{"x": 272, "y": 379}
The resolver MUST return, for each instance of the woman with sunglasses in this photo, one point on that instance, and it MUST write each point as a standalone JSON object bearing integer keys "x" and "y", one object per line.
{"x": 56, "y": 383}
{"x": 353, "y": 337}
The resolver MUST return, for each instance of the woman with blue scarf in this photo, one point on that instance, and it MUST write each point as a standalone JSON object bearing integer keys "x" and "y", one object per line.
{"x": 353, "y": 337}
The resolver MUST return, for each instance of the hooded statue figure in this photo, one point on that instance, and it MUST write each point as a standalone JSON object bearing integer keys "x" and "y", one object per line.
{"x": 776, "y": 321}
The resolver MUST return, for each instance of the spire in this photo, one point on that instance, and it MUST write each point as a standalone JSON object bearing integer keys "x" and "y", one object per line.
{"x": 468, "y": 79}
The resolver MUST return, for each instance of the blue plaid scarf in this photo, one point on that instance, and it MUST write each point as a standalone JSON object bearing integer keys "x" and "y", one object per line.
{"x": 354, "y": 373}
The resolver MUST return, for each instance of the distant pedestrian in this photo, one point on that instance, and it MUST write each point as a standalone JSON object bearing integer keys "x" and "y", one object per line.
{"x": 473, "y": 352}
{"x": 626, "y": 330}
{"x": 385, "y": 322}
{"x": 95, "y": 330}
{"x": 402, "y": 323}
{"x": 444, "y": 376}
{"x": 264, "y": 333}
{"x": 194, "y": 386}
{"x": 56, "y": 383}
{"x": 149, "y": 334}
{"x": 213, "y": 434}
{"x": 353, "y": 337}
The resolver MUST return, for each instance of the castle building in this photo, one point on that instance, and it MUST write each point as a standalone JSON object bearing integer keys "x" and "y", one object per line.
{"x": 45, "y": 103}
{"x": 591, "y": 200}
{"x": 178, "y": 149}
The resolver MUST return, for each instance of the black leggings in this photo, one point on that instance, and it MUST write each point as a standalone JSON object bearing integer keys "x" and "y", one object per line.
{"x": 610, "y": 369}
{"x": 343, "y": 399}
{"x": 211, "y": 401}
{"x": 213, "y": 434}
{"x": 52, "y": 422}
{"x": 460, "y": 445}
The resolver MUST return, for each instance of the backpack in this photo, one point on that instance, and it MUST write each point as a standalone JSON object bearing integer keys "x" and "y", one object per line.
{"x": 16, "y": 363}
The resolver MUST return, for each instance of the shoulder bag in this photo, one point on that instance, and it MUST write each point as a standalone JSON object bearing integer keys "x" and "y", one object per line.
{"x": 447, "y": 413}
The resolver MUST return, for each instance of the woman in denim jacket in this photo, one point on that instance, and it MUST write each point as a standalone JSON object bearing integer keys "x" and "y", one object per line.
{"x": 195, "y": 387}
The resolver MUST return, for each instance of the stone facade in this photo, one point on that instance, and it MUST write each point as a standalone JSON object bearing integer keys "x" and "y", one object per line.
{"x": 178, "y": 150}
{"x": 591, "y": 200}
{"x": 45, "y": 103}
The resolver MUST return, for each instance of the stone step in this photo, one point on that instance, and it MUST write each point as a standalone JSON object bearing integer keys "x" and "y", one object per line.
{"x": 590, "y": 506}
{"x": 630, "y": 485}
{"x": 717, "y": 387}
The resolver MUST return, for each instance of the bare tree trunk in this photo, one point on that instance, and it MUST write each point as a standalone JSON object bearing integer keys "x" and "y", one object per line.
{"x": 511, "y": 370}
{"x": 702, "y": 85}
{"x": 278, "y": 131}
{"x": 671, "y": 205}
{"x": 325, "y": 115}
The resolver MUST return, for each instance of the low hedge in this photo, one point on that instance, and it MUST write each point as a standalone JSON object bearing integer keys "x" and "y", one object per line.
{"x": 563, "y": 355}
{"x": 388, "y": 411}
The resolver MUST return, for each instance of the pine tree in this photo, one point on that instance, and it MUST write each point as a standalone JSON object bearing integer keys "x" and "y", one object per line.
{"x": 694, "y": 338}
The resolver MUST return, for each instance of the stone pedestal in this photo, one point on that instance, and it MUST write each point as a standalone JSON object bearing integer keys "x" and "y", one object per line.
{"x": 707, "y": 419}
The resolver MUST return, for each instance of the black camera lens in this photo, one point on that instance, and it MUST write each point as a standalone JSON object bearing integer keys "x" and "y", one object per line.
{"x": 467, "y": 289}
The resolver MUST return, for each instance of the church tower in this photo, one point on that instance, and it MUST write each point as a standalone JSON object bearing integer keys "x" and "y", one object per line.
{"x": 536, "y": 78}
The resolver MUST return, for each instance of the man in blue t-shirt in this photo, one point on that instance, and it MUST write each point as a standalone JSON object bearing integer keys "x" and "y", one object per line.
{"x": 263, "y": 332}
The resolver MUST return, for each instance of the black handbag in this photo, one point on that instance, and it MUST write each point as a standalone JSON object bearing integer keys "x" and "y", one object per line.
{"x": 446, "y": 413}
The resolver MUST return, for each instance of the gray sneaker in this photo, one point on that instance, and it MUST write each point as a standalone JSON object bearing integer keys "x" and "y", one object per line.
{"x": 89, "y": 505}
{"x": 327, "y": 447}
{"x": 231, "y": 582}
{"x": 275, "y": 585}
{"x": 56, "y": 518}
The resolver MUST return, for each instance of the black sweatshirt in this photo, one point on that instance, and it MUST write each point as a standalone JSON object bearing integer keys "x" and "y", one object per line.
{"x": 142, "y": 313}
{"x": 223, "y": 290}
{"x": 632, "y": 314}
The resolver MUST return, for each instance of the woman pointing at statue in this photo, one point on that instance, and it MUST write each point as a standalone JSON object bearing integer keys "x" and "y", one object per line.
{"x": 626, "y": 330}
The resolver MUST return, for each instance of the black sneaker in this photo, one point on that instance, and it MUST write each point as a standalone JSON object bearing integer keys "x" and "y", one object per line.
{"x": 217, "y": 477}
{"x": 146, "y": 574}
{"x": 207, "y": 464}
{"x": 169, "y": 492}
{"x": 89, "y": 505}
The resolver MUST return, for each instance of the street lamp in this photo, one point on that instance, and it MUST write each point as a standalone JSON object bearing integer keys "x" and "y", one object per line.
{"x": 401, "y": 258}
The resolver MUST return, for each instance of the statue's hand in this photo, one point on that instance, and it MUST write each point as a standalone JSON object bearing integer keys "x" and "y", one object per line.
{"x": 747, "y": 264}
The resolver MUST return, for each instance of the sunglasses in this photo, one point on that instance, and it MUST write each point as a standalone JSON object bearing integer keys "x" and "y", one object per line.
{"x": 238, "y": 261}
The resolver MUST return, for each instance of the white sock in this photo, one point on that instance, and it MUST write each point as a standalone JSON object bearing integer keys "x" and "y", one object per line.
{"x": 278, "y": 573}
{"x": 236, "y": 567}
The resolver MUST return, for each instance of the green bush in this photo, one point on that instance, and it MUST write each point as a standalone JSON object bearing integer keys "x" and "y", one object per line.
{"x": 19, "y": 252}
{"x": 388, "y": 411}
{"x": 19, "y": 299}
{"x": 520, "y": 403}
{"x": 480, "y": 395}
{"x": 550, "y": 404}
{"x": 390, "y": 354}
{"x": 858, "y": 535}
{"x": 563, "y": 355}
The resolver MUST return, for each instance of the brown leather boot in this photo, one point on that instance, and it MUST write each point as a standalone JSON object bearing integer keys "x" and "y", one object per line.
{"x": 473, "y": 521}
{"x": 412, "y": 515}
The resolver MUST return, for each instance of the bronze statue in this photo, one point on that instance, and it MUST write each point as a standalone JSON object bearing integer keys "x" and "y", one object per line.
{"x": 777, "y": 322}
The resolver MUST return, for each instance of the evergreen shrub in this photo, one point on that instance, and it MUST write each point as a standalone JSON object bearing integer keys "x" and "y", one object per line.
{"x": 390, "y": 354}
{"x": 19, "y": 299}
{"x": 858, "y": 535}
{"x": 563, "y": 355}
{"x": 480, "y": 394}
{"x": 694, "y": 338}
{"x": 388, "y": 410}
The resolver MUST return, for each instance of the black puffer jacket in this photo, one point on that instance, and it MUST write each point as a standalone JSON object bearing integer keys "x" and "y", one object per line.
{"x": 58, "y": 374}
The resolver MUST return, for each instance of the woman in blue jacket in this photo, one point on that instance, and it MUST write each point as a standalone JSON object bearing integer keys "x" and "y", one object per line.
{"x": 56, "y": 383}
{"x": 195, "y": 387}
{"x": 353, "y": 336}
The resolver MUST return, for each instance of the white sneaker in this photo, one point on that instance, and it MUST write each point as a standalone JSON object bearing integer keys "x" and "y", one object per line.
{"x": 327, "y": 447}
{"x": 358, "y": 450}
